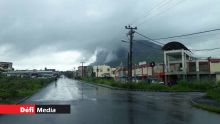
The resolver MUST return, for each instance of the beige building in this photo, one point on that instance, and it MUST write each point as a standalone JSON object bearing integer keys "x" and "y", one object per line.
{"x": 214, "y": 64}
{"x": 104, "y": 71}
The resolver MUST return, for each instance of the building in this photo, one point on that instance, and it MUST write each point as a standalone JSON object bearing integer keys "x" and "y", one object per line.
{"x": 103, "y": 71}
{"x": 46, "y": 69}
{"x": 121, "y": 73}
{"x": 6, "y": 66}
{"x": 84, "y": 71}
{"x": 31, "y": 73}
{"x": 179, "y": 64}
{"x": 140, "y": 72}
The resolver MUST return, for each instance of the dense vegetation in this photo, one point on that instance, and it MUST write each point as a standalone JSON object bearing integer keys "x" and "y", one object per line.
{"x": 14, "y": 88}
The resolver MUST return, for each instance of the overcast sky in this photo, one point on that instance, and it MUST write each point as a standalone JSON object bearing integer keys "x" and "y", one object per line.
{"x": 60, "y": 33}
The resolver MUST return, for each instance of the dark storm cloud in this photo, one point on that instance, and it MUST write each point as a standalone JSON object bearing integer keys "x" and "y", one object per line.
{"x": 87, "y": 25}
{"x": 80, "y": 24}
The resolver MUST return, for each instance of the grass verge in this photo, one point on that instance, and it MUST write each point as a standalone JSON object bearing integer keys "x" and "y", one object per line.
{"x": 180, "y": 86}
{"x": 13, "y": 89}
{"x": 206, "y": 107}
{"x": 214, "y": 94}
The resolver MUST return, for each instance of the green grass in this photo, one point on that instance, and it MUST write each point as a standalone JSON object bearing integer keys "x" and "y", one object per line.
{"x": 203, "y": 85}
{"x": 207, "y": 107}
{"x": 14, "y": 88}
{"x": 214, "y": 94}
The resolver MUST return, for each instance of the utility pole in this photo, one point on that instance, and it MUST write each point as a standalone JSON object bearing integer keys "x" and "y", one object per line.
{"x": 131, "y": 35}
{"x": 97, "y": 70}
{"x": 82, "y": 68}
{"x": 74, "y": 72}
{"x": 128, "y": 66}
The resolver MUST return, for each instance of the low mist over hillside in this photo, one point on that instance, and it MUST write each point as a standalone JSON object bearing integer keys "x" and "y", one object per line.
{"x": 142, "y": 51}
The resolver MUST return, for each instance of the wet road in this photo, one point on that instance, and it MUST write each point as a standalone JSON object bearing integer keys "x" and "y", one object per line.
{"x": 97, "y": 105}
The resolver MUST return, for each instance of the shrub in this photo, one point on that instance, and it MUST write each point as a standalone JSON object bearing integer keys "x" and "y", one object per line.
{"x": 157, "y": 87}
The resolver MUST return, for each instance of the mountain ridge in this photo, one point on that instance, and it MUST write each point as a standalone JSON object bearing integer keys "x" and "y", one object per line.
{"x": 143, "y": 50}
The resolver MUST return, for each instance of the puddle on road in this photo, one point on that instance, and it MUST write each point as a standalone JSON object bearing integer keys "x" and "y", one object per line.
{"x": 63, "y": 90}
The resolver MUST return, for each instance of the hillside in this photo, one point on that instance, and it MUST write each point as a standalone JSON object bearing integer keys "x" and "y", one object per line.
{"x": 142, "y": 51}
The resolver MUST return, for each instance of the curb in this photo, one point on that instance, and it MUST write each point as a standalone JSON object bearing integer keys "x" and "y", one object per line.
{"x": 203, "y": 106}
{"x": 22, "y": 100}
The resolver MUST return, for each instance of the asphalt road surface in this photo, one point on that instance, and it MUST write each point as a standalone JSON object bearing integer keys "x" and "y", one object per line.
{"x": 92, "y": 104}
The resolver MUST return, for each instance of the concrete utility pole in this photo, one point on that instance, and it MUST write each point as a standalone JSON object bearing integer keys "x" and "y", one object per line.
{"x": 82, "y": 68}
{"x": 128, "y": 66}
{"x": 131, "y": 35}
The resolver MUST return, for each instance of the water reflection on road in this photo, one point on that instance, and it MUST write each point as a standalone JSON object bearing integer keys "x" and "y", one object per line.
{"x": 92, "y": 104}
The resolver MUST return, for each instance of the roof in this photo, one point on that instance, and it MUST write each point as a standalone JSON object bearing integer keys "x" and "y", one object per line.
{"x": 174, "y": 45}
{"x": 5, "y": 62}
{"x": 214, "y": 59}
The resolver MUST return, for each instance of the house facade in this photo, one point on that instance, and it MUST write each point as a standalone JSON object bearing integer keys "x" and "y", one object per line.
{"x": 103, "y": 71}
{"x": 84, "y": 71}
{"x": 141, "y": 72}
{"x": 179, "y": 64}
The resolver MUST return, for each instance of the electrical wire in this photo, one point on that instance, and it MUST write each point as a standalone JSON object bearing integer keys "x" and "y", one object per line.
{"x": 148, "y": 13}
{"x": 152, "y": 40}
{"x": 211, "y": 49}
{"x": 155, "y": 41}
{"x": 184, "y": 35}
{"x": 162, "y": 12}
{"x": 140, "y": 42}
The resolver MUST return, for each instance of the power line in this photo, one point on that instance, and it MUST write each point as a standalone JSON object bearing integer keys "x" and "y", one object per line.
{"x": 156, "y": 8}
{"x": 152, "y": 40}
{"x": 158, "y": 49}
{"x": 210, "y": 49}
{"x": 168, "y": 8}
{"x": 149, "y": 11}
{"x": 184, "y": 35}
